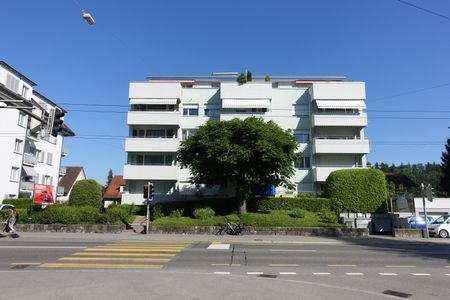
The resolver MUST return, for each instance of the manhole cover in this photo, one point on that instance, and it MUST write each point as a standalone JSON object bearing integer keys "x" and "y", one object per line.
{"x": 267, "y": 276}
{"x": 397, "y": 294}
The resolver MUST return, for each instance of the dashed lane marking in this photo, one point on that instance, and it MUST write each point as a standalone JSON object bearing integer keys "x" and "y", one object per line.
{"x": 287, "y": 273}
{"x": 222, "y": 273}
{"x": 354, "y": 274}
{"x": 388, "y": 274}
{"x": 420, "y": 274}
{"x": 255, "y": 273}
{"x": 321, "y": 273}
{"x": 130, "y": 259}
{"x": 100, "y": 266}
{"x": 219, "y": 246}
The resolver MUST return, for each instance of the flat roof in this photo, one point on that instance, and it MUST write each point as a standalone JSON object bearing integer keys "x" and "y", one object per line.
{"x": 223, "y": 77}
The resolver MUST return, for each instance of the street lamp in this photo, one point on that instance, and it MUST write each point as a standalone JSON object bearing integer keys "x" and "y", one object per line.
{"x": 87, "y": 16}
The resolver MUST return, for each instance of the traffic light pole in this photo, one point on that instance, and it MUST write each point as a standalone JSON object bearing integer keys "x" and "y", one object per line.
{"x": 148, "y": 209}
{"x": 424, "y": 211}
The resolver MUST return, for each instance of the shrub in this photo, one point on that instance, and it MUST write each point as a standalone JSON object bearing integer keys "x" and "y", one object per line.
{"x": 19, "y": 202}
{"x": 64, "y": 214}
{"x": 204, "y": 213}
{"x": 356, "y": 190}
{"x": 222, "y": 206}
{"x": 297, "y": 213}
{"x": 158, "y": 211}
{"x": 86, "y": 193}
{"x": 309, "y": 204}
{"x": 328, "y": 217}
{"x": 176, "y": 213}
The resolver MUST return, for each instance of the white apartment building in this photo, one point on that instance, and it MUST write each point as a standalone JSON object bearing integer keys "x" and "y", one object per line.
{"x": 327, "y": 116}
{"x": 29, "y": 154}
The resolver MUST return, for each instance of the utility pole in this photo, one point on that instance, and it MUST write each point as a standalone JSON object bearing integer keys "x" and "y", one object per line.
{"x": 424, "y": 209}
{"x": 148, "y": 208}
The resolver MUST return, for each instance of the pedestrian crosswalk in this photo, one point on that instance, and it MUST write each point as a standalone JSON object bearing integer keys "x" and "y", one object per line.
{"x": 122, "y": 255}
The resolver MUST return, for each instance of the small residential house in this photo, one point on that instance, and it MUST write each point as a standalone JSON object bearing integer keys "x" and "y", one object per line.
{"x": 114, "y": 191}
{"x": 66, "y": 183}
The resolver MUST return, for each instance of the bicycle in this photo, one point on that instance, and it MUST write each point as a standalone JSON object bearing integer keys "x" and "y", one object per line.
{"x": 231, "y": 228}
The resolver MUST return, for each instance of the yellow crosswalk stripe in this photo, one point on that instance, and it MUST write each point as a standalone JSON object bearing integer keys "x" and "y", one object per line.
{"x": 132, "y": 250}
{"x": 100, "y": 266}
{"x": 152, "y": 242}
{"x": 140, "y": 247}
{"x": 134, "y": 259}
{"x": 125, "y": 254}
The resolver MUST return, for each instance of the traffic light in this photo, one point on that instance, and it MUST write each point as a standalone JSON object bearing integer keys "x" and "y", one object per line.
{"x": 145, "y": 194}
{"x": 430, "y": 193}
{"x": 57, "y": 123}
{"x": 151, "y": 191}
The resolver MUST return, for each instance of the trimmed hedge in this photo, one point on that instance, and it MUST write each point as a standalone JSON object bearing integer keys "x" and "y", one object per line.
{"x": 309, "y": 204}
{"x": 356, "y": 190}
{"x": 222, "y": 206}
{"x": 86, "y": 192}
{"x": 19, "y": 202}
{"x": 283, "y": 218}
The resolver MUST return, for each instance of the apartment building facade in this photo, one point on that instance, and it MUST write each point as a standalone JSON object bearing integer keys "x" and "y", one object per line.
{"x": 327, "y": 116}
{"x": 29, "y": 153}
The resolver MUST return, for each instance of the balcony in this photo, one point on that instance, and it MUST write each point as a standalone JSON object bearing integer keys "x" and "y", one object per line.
{"x": 333, "y": 119}
{"x": 62, "y": 171}
{"x": 29, "y": 159}
{"x": 153, "y": 118}
{"x": 26, "y": 186}
{"x": 138, "y": 172}
{"x": 321, "y": 173}
{"x": 133, "y": 144}
{"x": 349, "y": 145}
{"x": 64, "y": 152}
{"x": 34, "y": 136}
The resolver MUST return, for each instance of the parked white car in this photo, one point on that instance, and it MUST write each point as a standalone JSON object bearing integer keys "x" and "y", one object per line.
{"x": 440, "y": 227}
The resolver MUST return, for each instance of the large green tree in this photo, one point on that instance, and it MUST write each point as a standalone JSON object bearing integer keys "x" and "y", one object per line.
{"x": 445, "y": 166}
{"x": 241, "y": 153}
{"x": 86, "y": 192}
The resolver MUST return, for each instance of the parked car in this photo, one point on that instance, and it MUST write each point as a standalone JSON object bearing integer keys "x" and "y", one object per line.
{"x": 417, "y": 222}
{"x": 440, "y": 227}
{"x": 6, "y": 206}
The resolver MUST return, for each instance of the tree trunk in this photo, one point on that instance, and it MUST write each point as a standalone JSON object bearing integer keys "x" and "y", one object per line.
{"x": 242, "y": 194}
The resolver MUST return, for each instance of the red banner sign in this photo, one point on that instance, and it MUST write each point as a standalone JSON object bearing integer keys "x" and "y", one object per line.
{"x": 43, "y": 194}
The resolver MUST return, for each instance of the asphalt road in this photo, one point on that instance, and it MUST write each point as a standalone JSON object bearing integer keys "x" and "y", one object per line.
{"x": 65, "y": 266}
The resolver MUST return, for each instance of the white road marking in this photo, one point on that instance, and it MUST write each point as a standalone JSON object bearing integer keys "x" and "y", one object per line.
{"x": 222, "y": 273}
{"x": 322, "y": 273}
{"x": 447, "y": 274}
{"x": 420, "y": 274}
{"x": 354, "y": 274}
{"x": 43, "y": 247}
{"x": 287, "y": 273}
{"x": 219, "y": 247}
{"x": 255, "y": 273}
{"x": 388, "y": 274}
{"x": 291, "y": 250}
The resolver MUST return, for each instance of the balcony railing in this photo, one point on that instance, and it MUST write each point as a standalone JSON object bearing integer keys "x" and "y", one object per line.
{"x": 134, "y": 144}
{"x": 30, "y": 159}
{"x": 26, "y": 185}
{"x": 339, "y": 119}
{"x": 340, "y": 144}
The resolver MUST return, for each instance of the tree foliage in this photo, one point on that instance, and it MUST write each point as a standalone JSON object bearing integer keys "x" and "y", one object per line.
{"x": 241, "y": 153}
{"x": 86, "y": 193}
{"x": 356, "y": 190}
{"x": 429, "y": 173}
{"x": 445, "y": 167}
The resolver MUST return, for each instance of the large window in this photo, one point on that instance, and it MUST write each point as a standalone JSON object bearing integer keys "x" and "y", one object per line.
{"x": 153, "y": 133}
{"x": 185, "y": 133}
{"x": 190, "y": 110}
{"x": 304, "y": 163}
{"x": 153, "y": 107}
{"x": 18, "y": 146}
{"x": 152, "y": 159}
{"x": 301, "y": 137}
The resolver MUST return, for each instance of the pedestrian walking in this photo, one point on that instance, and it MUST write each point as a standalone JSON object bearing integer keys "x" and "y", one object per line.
{"x": 11, "y": 221}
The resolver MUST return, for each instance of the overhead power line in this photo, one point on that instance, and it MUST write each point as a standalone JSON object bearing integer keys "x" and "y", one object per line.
{"x": 425, "y": 9}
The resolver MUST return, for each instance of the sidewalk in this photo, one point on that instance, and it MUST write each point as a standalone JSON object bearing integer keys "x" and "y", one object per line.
{"x": 288, "y": 239}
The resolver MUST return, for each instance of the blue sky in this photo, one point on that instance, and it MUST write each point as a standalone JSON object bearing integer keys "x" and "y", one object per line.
{"x": 402, "y": 54}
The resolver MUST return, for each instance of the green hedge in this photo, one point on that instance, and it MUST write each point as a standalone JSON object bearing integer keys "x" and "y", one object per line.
{"x": 86, "y": 193}
{"x": 284, "y": 218}
{"x": 356, "y": 190}
{"x": 222, "y": 206}
{"x": 19, "y": 202}
{"x": 309, "y": 204}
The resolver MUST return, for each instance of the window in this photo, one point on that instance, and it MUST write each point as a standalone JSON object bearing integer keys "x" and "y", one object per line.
{"x": 47, "y": 179}
{"x": 155, "y": 133}
{"x": 12, "y": 83}
{"x": 139, "y": 133}
{"x": 24, "y": 91}
{"x": 304, "y": 163}
{"x": 139, "y": 159}
{"x": 185, "y": 133}
{"x": 190, "y": 110}
{"x": 18, "y": 146}
{"x": 22, "y": 119}
{"x": 212, "y": 112}
{"x": 301, "y": 137}
{"x": 14, "y": 174}
{"x": 49, "y": 158}
{"x": 154, "y": 160}
{"x": 40, "y": 155}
